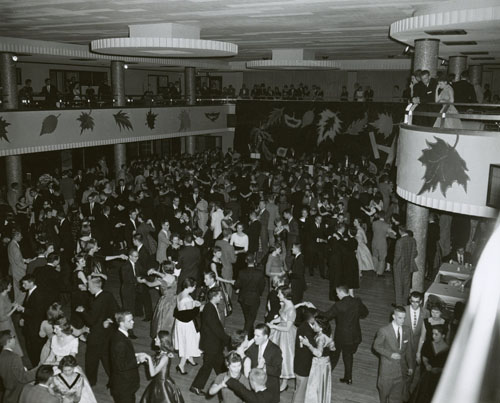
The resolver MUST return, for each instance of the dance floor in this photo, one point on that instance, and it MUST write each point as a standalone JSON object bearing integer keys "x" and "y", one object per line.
{"x": 376, "y": 293}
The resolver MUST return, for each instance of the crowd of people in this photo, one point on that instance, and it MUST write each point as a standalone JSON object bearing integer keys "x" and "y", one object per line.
{"x": 287, "y": 92}
{"x": 206, "y": 231}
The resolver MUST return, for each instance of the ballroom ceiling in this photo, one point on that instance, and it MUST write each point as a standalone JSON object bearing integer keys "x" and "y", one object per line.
{"x": 337, "y": 29}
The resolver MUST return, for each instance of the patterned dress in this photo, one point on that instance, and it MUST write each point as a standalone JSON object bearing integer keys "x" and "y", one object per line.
{"x": 286, "y": 340}
{"x": 163, "y": 316}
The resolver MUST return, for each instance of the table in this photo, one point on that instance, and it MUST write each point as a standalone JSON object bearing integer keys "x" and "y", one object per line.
{"x": 455, "y": 270}
{"x": 447, "y": 293}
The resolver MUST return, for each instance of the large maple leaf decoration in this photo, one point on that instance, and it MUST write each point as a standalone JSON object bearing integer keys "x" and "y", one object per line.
{"x": 151, "y": 119}
{"x": 262, "y": 141}
{"x": 185, "y": 121}
{"x": 328, "y": 126}
{"x": 122, "y": 120}
{"x": 49, "y": 124}
{"x": 308, "y": 118}
{"x": 357, "y": 126}
{"x": 86, "y": 122}
{"x": 384, "y": 124}
{"x": 443, "y": 166}
{"x": 3, "y": 129}
{"x": 274, "y": 117}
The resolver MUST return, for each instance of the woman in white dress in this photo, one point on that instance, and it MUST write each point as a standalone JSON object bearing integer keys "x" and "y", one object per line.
{"x": 239, "y": 240}
{"x": 365, "y": 260}
{"x": 186, "y": 337}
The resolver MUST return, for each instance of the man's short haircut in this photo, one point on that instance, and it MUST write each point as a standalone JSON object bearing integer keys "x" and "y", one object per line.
{"x": 210, "y": 274}
{"x": 226, "y": 232}
{"x": 264, "y": 328}
{"x": 233, "y": 357}
{"x": 53, "y": 257}
{"x": 120, "y": 316}
{"x": 213, "y": 292}
{"x": 43, "y": 374}
{"x": 425, "y": 72}
{"x": 138, "y": 237}
{"x": 96, "y": 281}
{"x": 416, "y": 294}
{"x": 132, "y": 250}
{"x": 399, "y": 309}
{"x": 5, "y": 336}
{"x": 258, "y": 377}
{"x": 188, "y": 238}
{"x": 29, "y": 277}
{"x": 297, "y": 245}
{"x": 343, "y": 288}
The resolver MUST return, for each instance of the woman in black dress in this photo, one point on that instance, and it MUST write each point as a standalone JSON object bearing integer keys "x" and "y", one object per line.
{"x": 162, "y": 388}
{"x": 79, "y": 294}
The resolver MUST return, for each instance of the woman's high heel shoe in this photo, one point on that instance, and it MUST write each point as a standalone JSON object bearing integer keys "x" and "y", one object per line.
{"x": 178, "y": 369}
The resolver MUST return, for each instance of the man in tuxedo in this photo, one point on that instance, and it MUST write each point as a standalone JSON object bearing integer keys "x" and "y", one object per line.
{"x": 317, "y": 245}
{"x": 39, "y": 392}
{"x": 39, "y": 261}
{"x": 49, "y": 279}
{"x": 335, "y": 253}
{"x": 251, "y": 284}
{"x": 131, "y": 298}
{"x": 34, "y": 313}
{"x": 264, "y": 354}
{"x": 297, "y": 274}
{"x": 12, "y": 372}
{"x": 463, "y": 90}
{"x": 458, "y": 255}
{"x": 404, "y": 265}
{"x": 424, "y": 90}
{"x": 347, "y": 312}
{"x": 213, "y": 339}
{"x": 50, "y": 93}
{"x": 125, "y": 380}
{"x": 258, "y": 381}
{"x": 293, "y": 234}
{"x": 302, "y": 360}
{"x": 17, "y": 264}
{"x": 131, "y": 226}
{"x": 66, "y": 236}
{"x": 393, "y": 344}
{"x": 263, "y": 217}
{"x": 380, "y": 230}
{"x": 105, "y": 229}
{"x": 253, "y": 233}
{"x": 210, "y": 282}
{"x": 103, "y": 307}
{"x": 92, "y": 209}
{"x": 189, "y": 262}
{"x": 144, "y": 264}
{"x": 414, "y": 320}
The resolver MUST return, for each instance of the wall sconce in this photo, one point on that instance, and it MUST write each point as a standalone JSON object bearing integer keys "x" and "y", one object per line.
{"x": 408, "y": 50}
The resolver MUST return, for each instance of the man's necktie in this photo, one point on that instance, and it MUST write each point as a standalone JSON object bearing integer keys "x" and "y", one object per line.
{"x": 399, "y": 337}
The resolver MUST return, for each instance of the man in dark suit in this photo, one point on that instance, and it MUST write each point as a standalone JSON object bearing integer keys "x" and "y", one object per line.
{"x": 145, "y": 262}
{"x": 317, "y": 240}
{"x": 251, "y": 284}
{"x": 66, "y": 236}
{"x": 335, "y": 253}
{"x": 293, "y": 234}
{"x": 102, "y": 309}
{"x": 393, "y": 344}
{"x": 189, "y": 262}
{"x": 253, "y": 233}
{"x": 458, "y": 255}
{"x": 302, "y": 360}
{"x": 35, "y": 310}
{"x": 404, "y": 265}
{"x": 104, "y": 226}
{"x": 213, "y": 339}
{"x": 50, "y": 93}
{"x": 424, "y": 90}
{"x": 463, "y": 90}
{"x": 259, "y": 393}
{"x": 12, "y": 372}
{"x": 92, "y": 209}
{"x": 39, "y": 392}
{"x": 129, "y": 271}
{"x": 131, "y": 226}
{"x": 39, "y": 261}
{"x": 264, "y": 354}
{"x": 263, "y": 217}
{"x": 124, "y": 362}
{"x": 347, "y": 313}
{"x": 49, "y": 279}
{"x": 297, "y": 279}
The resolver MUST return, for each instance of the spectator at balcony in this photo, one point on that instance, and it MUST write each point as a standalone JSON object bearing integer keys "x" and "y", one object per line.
{"x": 244, "y": 93}
{"x": 358, "y": 94}
{"x": 277, "y": 92}
{"x": 255, "y": 93}
{"x": 231, "y": 92}
{"x": 487, "y": 93}
{"x": 26, "y": 93}
{"x": 344, "y": 95}
{"x": 424, "y": 90}
{"x": 205, "y": 91}
{"x": 317, "y": 92}
{"x": 50, "y": 93}
{"x": 76, "y": 92}
{"x": 464, "y": 90}
{"x": 368, "y": 94}
{"x": 104, "y": 93}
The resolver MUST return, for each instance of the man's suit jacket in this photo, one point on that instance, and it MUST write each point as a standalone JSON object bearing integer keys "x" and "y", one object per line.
{"x": 293, "y": 235}
{"x": 127, "y": 276}
{"x": 253, "y": 233}
{"x": 249, "y": 396}
{"x": 272, "y": 356}
{"x": 13, "y": 375}
{"x": 274, "y": 213}
{"x": 347, "y": 313}
{"x": 102, "y": 307}
{"x": 37, "y": 394}
{"x": 251, "y": 284}
{"x": 17, "y": 267}
{"x": 302, "y": 360}
{"x": 39, "y": 261}
{"x": 145, "y": 261}
{"x": 50, "y": 94}
{"x": 96, "y": 210}
{"x": 213, "y": 338}
{"x": 124, "y": 368}
{"x": 50, "y": 281}
{"x": 129, "y": 230}
{"x": 66, "y": 237}
{"x": 463, "y": 92}
{"x": 385, "y": 344}
{"x": 405, "y": 254}
{"x": 189, "y": 264}
{"x": 35, "y": 311}
{"x": 415, "y": 334}
{"x": 454, "y": 256}
{"x": 297, "y": 279}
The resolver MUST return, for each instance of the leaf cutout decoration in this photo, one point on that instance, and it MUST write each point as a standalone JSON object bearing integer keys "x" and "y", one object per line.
{"x": 185, "y": 121}
{"x": 357, "y": 126}
{"x": 275, "y": 117}
{"x": 86, "y": 122}
{"x": 123, "y": 121}
{"x": 443, "y": 166}
{"x": 384, "y": 124}
{"x": 308, "y": 118}
{"x": 3, "y": 129}
{"x": 151, "y": 119}
{"x": 49, "y": 124}
{"x": 212, "y": 116}
{"x": 328, "y": 126}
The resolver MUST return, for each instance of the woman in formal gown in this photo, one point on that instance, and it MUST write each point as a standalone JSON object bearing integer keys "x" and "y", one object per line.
{"x": 436, "y": 318}
{"x": 319, "y": 383}
{"x": 283, "y": 332}
{"x": 365, "y": 260}
{"x": 445, "y": 95}
{"x": 79, "y": 294}
{"x": 275, "y": 266}
{"x": 163, "y": 316}
{"x": 162, "y": 388}
{"x": 186, "y": 337}
{"x": 62, "y": 342}
{"x": 70, "y": 383}
{"x": 239, "y": 240}
{"x": 7, "y": 308}
{"x": 434, "y": 355}
{"x": 216, "y": 267}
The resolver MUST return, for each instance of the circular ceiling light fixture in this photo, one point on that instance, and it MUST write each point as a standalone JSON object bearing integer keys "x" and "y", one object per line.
{"x": 163, "y": 40}
{"x": 293, "y": 59}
